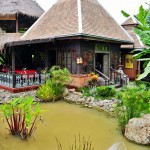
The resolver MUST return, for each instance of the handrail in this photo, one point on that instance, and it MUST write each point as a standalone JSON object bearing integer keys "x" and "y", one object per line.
{"x": 102, "y": 74}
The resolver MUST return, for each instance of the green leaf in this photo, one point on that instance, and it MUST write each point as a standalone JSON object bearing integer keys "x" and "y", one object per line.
{"x": 146, "y": 72}
{"x": 125, "y": 14}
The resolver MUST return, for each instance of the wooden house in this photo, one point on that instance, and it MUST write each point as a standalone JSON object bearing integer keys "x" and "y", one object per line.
{"x": 131, "y": 67}
{"x": 77, "y": 34}
{"x": 16, "y": 16}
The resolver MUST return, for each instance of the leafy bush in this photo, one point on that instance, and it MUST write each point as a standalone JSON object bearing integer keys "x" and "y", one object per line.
{"x": 88, "y": 91}
{"x": 46, "y": 92}
{"x": 20, "y": 116}
{"x": 139, "y": 82}
{"x": 54, "y": 87}
{"x": 134, "y": 101}
{"x": 105, "y": 91}
{"x": 99, "y": 92}
{"x": 61, "y": 76}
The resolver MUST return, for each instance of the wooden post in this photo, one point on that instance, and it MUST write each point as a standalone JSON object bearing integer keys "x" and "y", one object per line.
{"x": 79, "y": 66}
{"x": 17, "y": 23}
{"x": 139, "y": 69}
{"x": 13, "y": 68}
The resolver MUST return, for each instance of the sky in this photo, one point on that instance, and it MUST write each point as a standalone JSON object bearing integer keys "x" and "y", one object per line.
{"x": 114, "y": 7}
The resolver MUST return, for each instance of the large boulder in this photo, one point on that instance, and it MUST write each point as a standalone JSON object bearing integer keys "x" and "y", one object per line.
{"x": 138, "y": 130}
{"x": 100, "y": 81}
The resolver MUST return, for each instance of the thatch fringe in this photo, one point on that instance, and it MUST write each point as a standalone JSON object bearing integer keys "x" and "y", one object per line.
{"x": 24, "y": 7}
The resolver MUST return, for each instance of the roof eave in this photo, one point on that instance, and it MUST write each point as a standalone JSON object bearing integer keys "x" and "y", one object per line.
{"x": 78, "y": 35}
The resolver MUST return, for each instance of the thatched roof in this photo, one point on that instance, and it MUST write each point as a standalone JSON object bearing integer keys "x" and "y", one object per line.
{"x": 8, "y": 37}
{"x": 24, "y": 7}
{"x": 129, "y": 25}
{"x": 77, "y": 17}
{"x": 131, "y": 20}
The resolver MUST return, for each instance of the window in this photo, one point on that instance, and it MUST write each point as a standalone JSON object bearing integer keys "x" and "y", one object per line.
{"x": 88, "y": 60}
{"x": 67, "y": 58}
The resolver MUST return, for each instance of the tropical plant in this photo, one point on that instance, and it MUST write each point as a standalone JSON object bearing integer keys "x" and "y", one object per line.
{"x": 143, "y": 30}
{"x": 20, "y": 116}
{"x": 55, "y": 86}
{"x": 60, "y": 76}
{"x": 134, "y": 101}
{"x": 46, "y": 92}
{"x": 2, "y": 59}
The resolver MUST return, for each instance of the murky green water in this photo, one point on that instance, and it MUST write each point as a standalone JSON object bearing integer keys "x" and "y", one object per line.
{"x": 63, "y": 121}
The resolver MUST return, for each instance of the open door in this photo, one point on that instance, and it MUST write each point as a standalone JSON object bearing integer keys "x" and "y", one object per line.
{"x": 102, "y": 63}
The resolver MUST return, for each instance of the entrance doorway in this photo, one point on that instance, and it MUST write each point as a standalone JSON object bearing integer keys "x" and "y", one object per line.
{"x": 102, "y": 63}
{"x": 99, "y": 62}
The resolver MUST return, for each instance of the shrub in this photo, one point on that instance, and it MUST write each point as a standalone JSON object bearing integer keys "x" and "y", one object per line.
{"x": 46, "y": 92}
{"x": 88, "y": 91}
{"x": 20, "y": 116}
{"x": 54, "y": 87}
{"x": 61, "y": 76}
{"x": 134, "y": 101}
{"x": 99, "y": 92}
{"x": 105, "y": 91}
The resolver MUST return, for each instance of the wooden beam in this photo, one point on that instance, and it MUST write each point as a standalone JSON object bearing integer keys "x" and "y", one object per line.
{"x": 13, "y": 68}
{"x": 11, "y": 17}
{"x": 80, "y": 65}
{"x": 17, "y": 23}
{"x": 13, "y": 60}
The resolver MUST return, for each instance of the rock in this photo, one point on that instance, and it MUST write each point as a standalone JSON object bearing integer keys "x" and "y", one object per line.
{"x": 111, "y": 109}
{"x": 113, "y": 99}
{"x": 72, "y": 90}
{"x": 66, "y": 92}
{"x": 101, "y": 104}
{"x": 92, "y": 99}
{"x": 86, "y": 105}
{"x": 138, "y": 130}
{"x": 90, "y": 106}
{"x": 100, "y": 81}
{"x": 81, "y": 100}
{"x": 88, "y": 99}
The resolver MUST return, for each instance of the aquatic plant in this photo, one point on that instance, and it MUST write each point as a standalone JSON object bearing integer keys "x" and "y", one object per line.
{"x": 20, "y": 116}
{"x": 80, "y": 143}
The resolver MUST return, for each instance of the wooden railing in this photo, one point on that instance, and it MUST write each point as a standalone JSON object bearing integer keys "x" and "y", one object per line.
{"x": 103, "y": 76}
{"x": 22, "y": 80}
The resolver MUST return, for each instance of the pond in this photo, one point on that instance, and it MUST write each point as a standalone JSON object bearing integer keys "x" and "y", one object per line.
{"x": 63, "y": 121}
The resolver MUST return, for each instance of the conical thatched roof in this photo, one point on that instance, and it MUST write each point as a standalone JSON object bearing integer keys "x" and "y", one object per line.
{"x": 77, "y": 17}
{"x": 131, "y": 20}
{"x": 129, "y": 26}
{"x": 24, "y": 7}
